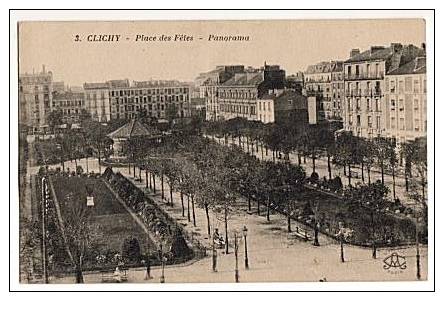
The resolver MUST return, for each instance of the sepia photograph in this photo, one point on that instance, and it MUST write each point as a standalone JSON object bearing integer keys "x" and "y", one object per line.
{"x": 223, "y": 151}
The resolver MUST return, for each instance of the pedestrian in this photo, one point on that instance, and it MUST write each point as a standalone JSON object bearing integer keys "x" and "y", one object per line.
{"x": 148, "y": 269}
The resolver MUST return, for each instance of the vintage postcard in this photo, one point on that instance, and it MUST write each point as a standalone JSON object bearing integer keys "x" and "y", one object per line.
{"x": 223, "y": 151}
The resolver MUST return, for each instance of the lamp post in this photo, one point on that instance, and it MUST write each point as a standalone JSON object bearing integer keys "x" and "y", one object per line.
{"x": 418, "y": 256}
{"x": 236, "y": 248}
{"x": 214, "y": 254}
{"x": 244, "y": 232}
{"x": 162, "y": 276}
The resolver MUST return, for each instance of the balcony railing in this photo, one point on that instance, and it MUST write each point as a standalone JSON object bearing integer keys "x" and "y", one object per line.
{"x": 364, "y": 76}
{"x": 365, "y": 92}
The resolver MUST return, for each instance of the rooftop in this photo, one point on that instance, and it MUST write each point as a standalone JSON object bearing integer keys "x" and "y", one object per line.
{"x": 134, "y": 128}
{"x": 416, "y": 66}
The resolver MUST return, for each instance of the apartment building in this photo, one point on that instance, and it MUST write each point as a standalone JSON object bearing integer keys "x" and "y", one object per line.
{"x": 71, "y": 104}
{"x": 35, "y": 99}
{"x": 364, "y": 74}
{"x": 208, "y": 83}
{"x": 154, "y": 97}
{"x": 406, "y": 101}
{"x": 237, "y": 97}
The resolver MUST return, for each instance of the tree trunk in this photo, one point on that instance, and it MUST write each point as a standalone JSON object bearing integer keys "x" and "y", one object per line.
{"x": 194, "y": 214}
{"x": 87, "y": 166}
{"x": 140, "y": 174}
{"x": 100, "y": 160}
{"x": 368, "y": 174}
{"x": 299, "y": 159}
{"x": 382, "y": 173}
{"x": 258, "y": 207}
{"x": 161, "y": 185}
{"x": 329, "y": 166}
{"x": 134, "y": 170}
{"x": 146, "y": 179}
{"x": 171, "y": 195}
{"x": 183, "y": 206}
{"x": 249, "y": 202}
{"x": 79, "y": 274}
{"x": 313, "y": 159}
{"x": 272, "y": 152}
{"x": 349, "y": 175}
{"x": 208, "y": 220}
{"x": 188, "y": 208}
{"x": 406, "y": 181}
{"x": 362, "y": 172}
{"x": 268, "y": 208}
{"x": 262, "y": 151}
{"x": 226, "y": 229}
{"x": 154, "y": 183}
{"x": 345, "y": 169}
{"x": 150, "y": 178}
{"x": 288, "y": 221}
{"x": 394, "y": 182}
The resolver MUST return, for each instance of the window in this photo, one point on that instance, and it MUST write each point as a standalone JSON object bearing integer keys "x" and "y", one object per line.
{"x": 416, "y": 105}
{"x": 393, "y": 122}
{"x": 392, "y": 104}
{"x": 358, "y": 120}
{"x": 401, "y": 104}
{"x": 401, "y": 124}
{"x": 378, "y": 122}
{"x": 416, "y": 86}
{"x": 368, "y": 105}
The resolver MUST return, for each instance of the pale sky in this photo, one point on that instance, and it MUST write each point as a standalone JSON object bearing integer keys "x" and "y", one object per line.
{"x": 291, "y": 44}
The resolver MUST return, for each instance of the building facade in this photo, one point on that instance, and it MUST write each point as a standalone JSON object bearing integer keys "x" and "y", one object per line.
{"x": 406, "y": 101}
{"x": 156, "y": 98}
{"x": 97, "y": 101}
{"x": 337, "y": 90}
{"x": 282, "y": 106}
{"x": 238, "y": 96}
{"x": 208, "y": 83}
{"x": 35, "y": 99}
{"x": 364, "y": 74}
{"x": 71, "y": 104}
{"x": 319, "y": 83}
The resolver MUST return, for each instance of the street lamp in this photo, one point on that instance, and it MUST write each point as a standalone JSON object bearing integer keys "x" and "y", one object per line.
{"x": 244, "y": 232}
{"x": 236, "y": 248}
{"x": 214, "y": 252}
{"x": 162, "y": 260}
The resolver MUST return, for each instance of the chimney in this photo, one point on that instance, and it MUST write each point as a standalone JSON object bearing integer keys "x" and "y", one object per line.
{"x": 376, "y": 48}
{"x": 354, "y": 52}
{"x": 423, "y": 46}
{"x": 396, "y": 47}
{"x": 43, "y": 69}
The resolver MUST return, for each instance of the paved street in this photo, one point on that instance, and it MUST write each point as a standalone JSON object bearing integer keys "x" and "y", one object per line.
{"x": 273, "y": 256}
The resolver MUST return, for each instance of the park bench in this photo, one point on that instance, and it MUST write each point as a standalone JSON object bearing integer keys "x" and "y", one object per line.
{"x": 300, "y": 234}
{"x": 109, "y": 277}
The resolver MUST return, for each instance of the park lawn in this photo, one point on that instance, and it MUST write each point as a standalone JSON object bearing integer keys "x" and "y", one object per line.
{"x": 333, "y": 210}
{"x": 110, "y": 222}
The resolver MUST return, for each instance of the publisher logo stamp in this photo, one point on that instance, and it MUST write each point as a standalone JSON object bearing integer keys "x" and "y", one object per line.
{"x": 395, "y": 263}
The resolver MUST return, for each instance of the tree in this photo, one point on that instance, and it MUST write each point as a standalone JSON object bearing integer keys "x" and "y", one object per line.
{"x": 171, "y": 113}
{"x": 55, "y": 118}
{"x": 326, "y": 140}
{"x": 368, "y": 201}
{"x": 78, "y": 236}
{"x": 96, "y": 138}
{"x": 383, "y": 148}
